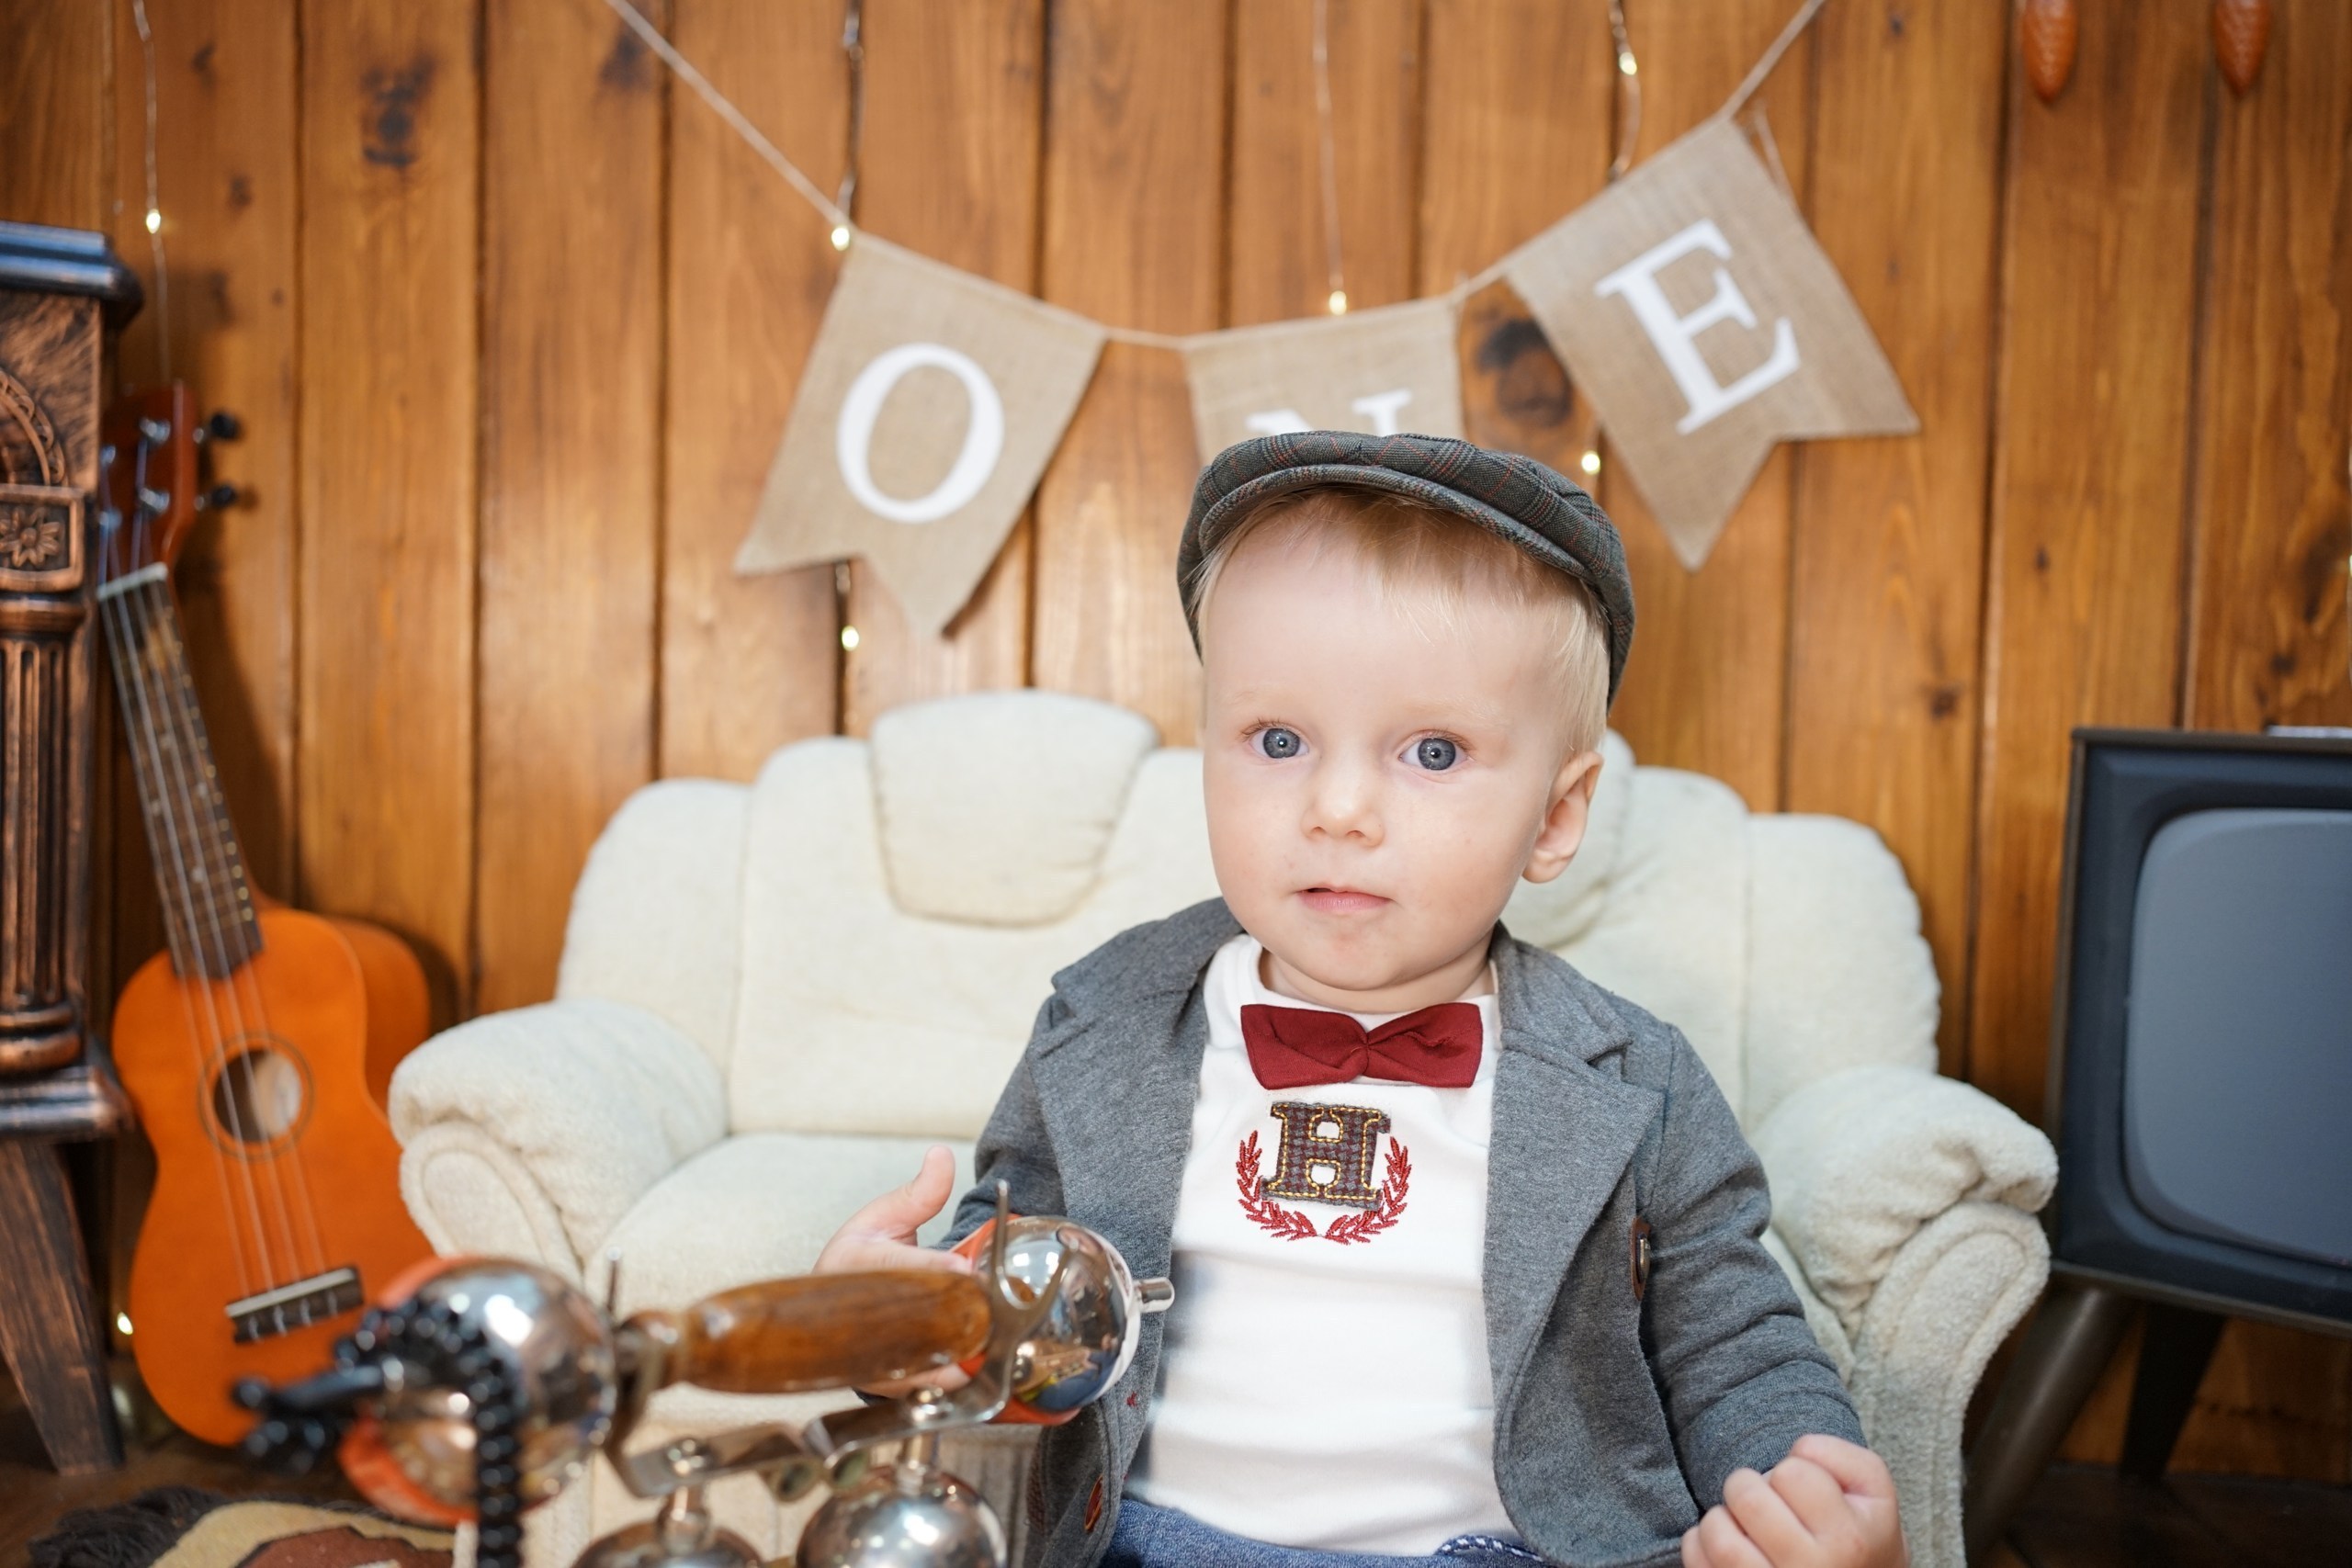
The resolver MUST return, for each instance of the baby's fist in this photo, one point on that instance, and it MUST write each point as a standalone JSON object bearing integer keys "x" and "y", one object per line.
{"x": 1829, "y": 1505}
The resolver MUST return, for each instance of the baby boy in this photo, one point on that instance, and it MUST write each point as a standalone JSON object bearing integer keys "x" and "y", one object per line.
{"x": 1465, "y": 1247}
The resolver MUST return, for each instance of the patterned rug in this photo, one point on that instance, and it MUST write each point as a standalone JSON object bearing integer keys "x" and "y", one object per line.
{"x": 185, "y": 1526}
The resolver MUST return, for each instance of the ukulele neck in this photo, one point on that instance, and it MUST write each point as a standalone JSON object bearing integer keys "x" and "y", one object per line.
{"x": 209, "y": 913}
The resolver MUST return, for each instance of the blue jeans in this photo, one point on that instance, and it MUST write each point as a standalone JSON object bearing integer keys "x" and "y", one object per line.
{"x": 1148, "y": 1537}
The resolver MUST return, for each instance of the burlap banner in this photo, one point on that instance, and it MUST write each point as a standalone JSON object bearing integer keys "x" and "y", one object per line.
{"x": 1381, "y": 370}
{"x": 930, "y": 403}
{"x": 1694, "y": 307}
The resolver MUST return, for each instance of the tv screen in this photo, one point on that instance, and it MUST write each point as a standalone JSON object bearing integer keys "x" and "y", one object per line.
{"x": 2201, "y": 1086}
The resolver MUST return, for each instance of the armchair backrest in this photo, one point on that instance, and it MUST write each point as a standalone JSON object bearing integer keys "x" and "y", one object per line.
{"x": 859, "y": 938}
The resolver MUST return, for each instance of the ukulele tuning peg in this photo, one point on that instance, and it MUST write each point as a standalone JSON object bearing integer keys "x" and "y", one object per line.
{"x": 217, "y": 498}
{"x": 223, "y": 426}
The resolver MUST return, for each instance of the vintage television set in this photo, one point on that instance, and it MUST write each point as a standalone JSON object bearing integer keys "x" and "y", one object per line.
{"x": 2200, "y": 1079}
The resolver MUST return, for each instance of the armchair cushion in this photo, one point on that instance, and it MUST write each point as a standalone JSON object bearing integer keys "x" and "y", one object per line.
{"x": 596, "y": 1100}
{"x": 1839, "y": 975}
{"x": 995, "y": 809}
{"x": 1862, "y": 1160}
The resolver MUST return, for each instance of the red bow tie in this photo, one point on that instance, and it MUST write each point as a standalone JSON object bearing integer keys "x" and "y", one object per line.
{"x": 1293, "y": 1047}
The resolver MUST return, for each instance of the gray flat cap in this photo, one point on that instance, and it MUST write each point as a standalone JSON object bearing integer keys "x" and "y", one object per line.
{"x": 1516, "y": 499}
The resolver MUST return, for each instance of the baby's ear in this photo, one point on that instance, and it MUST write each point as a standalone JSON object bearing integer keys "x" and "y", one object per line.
{"x": 1568, "y": 811}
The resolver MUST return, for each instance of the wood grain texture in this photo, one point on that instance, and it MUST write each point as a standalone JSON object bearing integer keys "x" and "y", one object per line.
{"x": 1888, "y": 534}
{"x": 2271, "y": 532}
{"x": 1134, "y": 235}
{"x": 746, "y": 664}
{"x": 571, "y": 464}
{"x": 225, "y": 76}
{"x": 1276, "y": 255}
{"x": 49, "y": 1341}
{"x": 2084, "y": 595}
{"x": 1519, "y": 106}
{"x": 955, "y": 108}
{"x": 2269, "y": 639}
{"x": 826, "y": 1331}
{"x": 390, "y": 158}
{"x": 55, "y": 79}
{"x": 1705, "y": 684}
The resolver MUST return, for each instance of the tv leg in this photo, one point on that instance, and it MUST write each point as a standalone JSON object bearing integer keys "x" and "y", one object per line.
{"x": 2174, "y": 1349}
{"x": 2069, "y": 1343}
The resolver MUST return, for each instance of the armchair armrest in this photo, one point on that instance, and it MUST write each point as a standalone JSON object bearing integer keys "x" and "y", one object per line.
{"x": 533, "y": 1131}
{"x": 1860, "y": 1160}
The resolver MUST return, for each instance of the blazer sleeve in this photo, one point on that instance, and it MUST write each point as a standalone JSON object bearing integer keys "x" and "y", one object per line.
{"x": 1013, "y": 1148}
{"x": 1739, "y": 1372}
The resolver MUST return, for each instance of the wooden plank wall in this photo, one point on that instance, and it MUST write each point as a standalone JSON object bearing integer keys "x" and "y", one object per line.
{"x": 514, "y": 323}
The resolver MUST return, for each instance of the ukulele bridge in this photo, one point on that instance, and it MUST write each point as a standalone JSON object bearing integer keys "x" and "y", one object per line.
{"x": 285, "y": 1308}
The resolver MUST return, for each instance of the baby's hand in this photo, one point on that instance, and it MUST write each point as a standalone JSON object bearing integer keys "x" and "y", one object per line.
{"x": 1828, "y": 1504}
{"x": 882, "y": 1235}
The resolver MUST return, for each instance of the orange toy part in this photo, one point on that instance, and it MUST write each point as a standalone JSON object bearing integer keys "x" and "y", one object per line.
{"x": 311, "y": 1187}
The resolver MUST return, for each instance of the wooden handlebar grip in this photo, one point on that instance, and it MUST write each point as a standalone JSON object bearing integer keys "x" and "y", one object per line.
{"x": 828, "y": 1331}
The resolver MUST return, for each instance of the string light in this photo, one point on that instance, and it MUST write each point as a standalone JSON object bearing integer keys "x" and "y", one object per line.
{"x": 1629, "y": 95}
{"x": 849, "y": 639}
{"x": 840, "y": 219}
{"x": 122, "y": 1324}
{"x": 1328, "y": 147}
{"x": 154, "y": 202}
{"x": 1589, "y": 462}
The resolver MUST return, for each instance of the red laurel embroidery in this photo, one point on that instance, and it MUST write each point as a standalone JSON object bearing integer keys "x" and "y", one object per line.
{"x": 1292, "y": 1224}
{"x": 1364, "y": 1223}
{"x": 1288, "y": 1223}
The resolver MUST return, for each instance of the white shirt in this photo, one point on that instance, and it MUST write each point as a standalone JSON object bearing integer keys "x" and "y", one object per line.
{"x": 1315, "y": 1392}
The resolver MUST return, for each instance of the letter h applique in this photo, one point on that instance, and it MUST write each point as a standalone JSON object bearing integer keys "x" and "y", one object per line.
{"x": 1326, "y": 1154}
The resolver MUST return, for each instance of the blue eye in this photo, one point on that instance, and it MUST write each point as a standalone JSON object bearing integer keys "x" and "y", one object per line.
{"x": 1277, "y": 742}
{"x": 1436, "y": 753}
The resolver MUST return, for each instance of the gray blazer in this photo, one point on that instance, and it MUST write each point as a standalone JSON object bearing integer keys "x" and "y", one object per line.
{"x": 1616, "y": 1417}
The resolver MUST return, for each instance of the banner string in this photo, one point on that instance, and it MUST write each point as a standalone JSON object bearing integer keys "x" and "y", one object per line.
{"x": 1772, "y": 57}
{"x": 837, "y": 214}
{"x": 683, "y": 69}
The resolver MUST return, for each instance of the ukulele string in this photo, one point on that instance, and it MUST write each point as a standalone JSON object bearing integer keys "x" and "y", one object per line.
{"x": 183, "y": 744}
{"x": 138, "y": 724}
{"x": 182, "y": 753}
{"x": 237, "y": 973}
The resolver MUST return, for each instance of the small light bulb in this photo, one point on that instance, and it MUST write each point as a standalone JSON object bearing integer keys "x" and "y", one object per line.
{"x": 1625, "y": 63}
{"x": 155, "y": 221}
{"x": 122, "y": 1322}
{"x": 1338, "y": 301}
{"x": 841, "y": 236}
{"x": 848, "y": 638}
{"x": 1591, "y": 462}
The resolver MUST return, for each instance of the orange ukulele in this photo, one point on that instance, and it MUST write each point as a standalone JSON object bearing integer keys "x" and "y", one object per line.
{"x": 258, "y": 1048}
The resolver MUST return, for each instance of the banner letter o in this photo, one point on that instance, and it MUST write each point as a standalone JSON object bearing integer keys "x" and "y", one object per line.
{"x": 983, "y": 438}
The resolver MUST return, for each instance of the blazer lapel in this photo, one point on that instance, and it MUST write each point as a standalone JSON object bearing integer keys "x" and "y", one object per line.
{"x": 1564, "y": 1132}
{"x": 1118, "y": 1089}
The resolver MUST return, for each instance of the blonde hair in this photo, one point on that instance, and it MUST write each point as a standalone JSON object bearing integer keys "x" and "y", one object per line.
{"x": 1435, "y": 563}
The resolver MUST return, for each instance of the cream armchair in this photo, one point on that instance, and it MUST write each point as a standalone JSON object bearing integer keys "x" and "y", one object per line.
{"x": 773, "y": 995}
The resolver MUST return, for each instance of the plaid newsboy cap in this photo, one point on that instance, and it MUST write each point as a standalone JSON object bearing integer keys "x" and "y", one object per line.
{"x": 1516, "y": 499}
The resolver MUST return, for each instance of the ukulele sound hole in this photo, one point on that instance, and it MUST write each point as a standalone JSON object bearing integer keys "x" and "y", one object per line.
{"x": 258, "y": 1096}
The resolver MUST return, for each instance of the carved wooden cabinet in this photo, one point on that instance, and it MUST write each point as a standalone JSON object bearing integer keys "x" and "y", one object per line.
{"x": 61, "y": 292}
{"x": 57, "y": 288}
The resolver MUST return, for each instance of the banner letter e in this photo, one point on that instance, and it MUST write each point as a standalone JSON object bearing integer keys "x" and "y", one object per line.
{"x": 1676, "y": 337}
